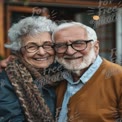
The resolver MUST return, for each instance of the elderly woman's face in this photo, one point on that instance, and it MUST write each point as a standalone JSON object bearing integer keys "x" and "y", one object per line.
{"x": 37, "y": 50}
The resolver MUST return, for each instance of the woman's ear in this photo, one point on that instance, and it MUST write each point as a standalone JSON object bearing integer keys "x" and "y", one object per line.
{"x": 22, "y": 51}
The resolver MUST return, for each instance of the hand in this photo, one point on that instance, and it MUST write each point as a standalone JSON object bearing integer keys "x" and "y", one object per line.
{"x": 3, "y": 63}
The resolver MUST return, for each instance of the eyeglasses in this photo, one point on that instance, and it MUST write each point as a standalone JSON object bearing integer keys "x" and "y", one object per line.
{"x": 78, "y": 45}
{"x": 33, "y": 47}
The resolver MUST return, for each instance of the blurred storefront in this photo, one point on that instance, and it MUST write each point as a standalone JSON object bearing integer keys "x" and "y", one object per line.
{"x": 105, "y": 16}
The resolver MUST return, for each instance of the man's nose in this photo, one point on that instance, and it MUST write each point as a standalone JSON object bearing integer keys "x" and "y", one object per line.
{"x": 70, "y": 50}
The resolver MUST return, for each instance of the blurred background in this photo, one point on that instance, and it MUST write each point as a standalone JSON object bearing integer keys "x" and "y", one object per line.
{"x": 105, "y": 16}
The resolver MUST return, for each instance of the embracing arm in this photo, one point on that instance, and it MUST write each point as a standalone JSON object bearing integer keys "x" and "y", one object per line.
{"x": 10, "y": 109}
{"x": 3, "y": 63}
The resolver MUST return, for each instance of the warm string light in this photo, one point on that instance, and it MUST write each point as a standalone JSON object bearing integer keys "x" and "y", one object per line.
{"x": 96, "y": 17}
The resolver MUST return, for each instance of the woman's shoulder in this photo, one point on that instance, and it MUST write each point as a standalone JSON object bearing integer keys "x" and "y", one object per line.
{"x": 4, "y": 80}
{"x": 3, "y": 74}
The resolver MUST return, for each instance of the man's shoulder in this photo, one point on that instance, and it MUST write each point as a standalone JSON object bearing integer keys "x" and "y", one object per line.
{"x": 112, "y": 70}
{"x": 110, "y": 65}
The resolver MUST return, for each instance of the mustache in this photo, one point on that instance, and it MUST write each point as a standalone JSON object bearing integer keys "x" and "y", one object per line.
{"x": 73, "y": 57}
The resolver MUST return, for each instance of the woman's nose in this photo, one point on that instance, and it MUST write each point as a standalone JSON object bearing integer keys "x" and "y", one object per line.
{"x": 41, "y": 51}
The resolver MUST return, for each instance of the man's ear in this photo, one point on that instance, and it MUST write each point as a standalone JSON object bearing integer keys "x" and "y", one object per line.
{"x": 96, "y": 47}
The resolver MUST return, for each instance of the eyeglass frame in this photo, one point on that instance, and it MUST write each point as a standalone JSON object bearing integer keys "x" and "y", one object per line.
{"x": 38, "y": 46}
{"x": 66, "y": 44}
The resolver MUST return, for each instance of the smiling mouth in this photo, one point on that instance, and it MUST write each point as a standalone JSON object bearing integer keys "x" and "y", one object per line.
{"x": 41, "y": 59}
{"x": 72, "y": 58}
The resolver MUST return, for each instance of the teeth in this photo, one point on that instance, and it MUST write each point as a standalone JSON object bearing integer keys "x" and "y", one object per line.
{"x": 41, "y": 59}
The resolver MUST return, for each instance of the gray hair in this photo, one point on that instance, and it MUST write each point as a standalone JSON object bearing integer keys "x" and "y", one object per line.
{"x": 91, "y": 34}
{"x": 28, "y": 26}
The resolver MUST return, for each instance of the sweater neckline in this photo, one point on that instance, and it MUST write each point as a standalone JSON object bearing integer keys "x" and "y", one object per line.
{"x": 88, "y": 83}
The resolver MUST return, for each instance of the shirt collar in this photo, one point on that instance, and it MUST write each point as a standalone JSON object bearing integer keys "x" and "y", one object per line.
{"x": 88, "y": 73}
{"x": 91, "y": 70}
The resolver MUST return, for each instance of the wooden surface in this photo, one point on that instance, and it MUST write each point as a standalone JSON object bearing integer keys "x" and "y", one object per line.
{"x": 1, "y": 29}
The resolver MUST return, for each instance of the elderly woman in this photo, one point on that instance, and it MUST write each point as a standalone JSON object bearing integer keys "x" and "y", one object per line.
{"x": 26, "y": 95}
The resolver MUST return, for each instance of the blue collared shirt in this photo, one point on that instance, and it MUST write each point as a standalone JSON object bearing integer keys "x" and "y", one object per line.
{"x": 73, "y": 87}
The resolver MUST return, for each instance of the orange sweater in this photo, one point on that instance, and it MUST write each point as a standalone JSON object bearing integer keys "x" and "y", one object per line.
{"x": 99, "y": 100}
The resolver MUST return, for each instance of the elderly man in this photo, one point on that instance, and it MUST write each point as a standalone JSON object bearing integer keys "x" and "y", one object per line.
{"x": 92, "y": 90}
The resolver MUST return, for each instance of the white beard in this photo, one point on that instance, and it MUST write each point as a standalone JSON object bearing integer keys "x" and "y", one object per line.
{"x": 76, "y": 66}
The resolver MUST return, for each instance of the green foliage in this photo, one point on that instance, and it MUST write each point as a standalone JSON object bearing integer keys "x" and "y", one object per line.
{"x": 1, "y": 57}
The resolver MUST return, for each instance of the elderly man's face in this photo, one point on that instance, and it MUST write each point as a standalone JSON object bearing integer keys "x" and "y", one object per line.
{"x": 42, "y": 56}
{"x": 72, "y": 59}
